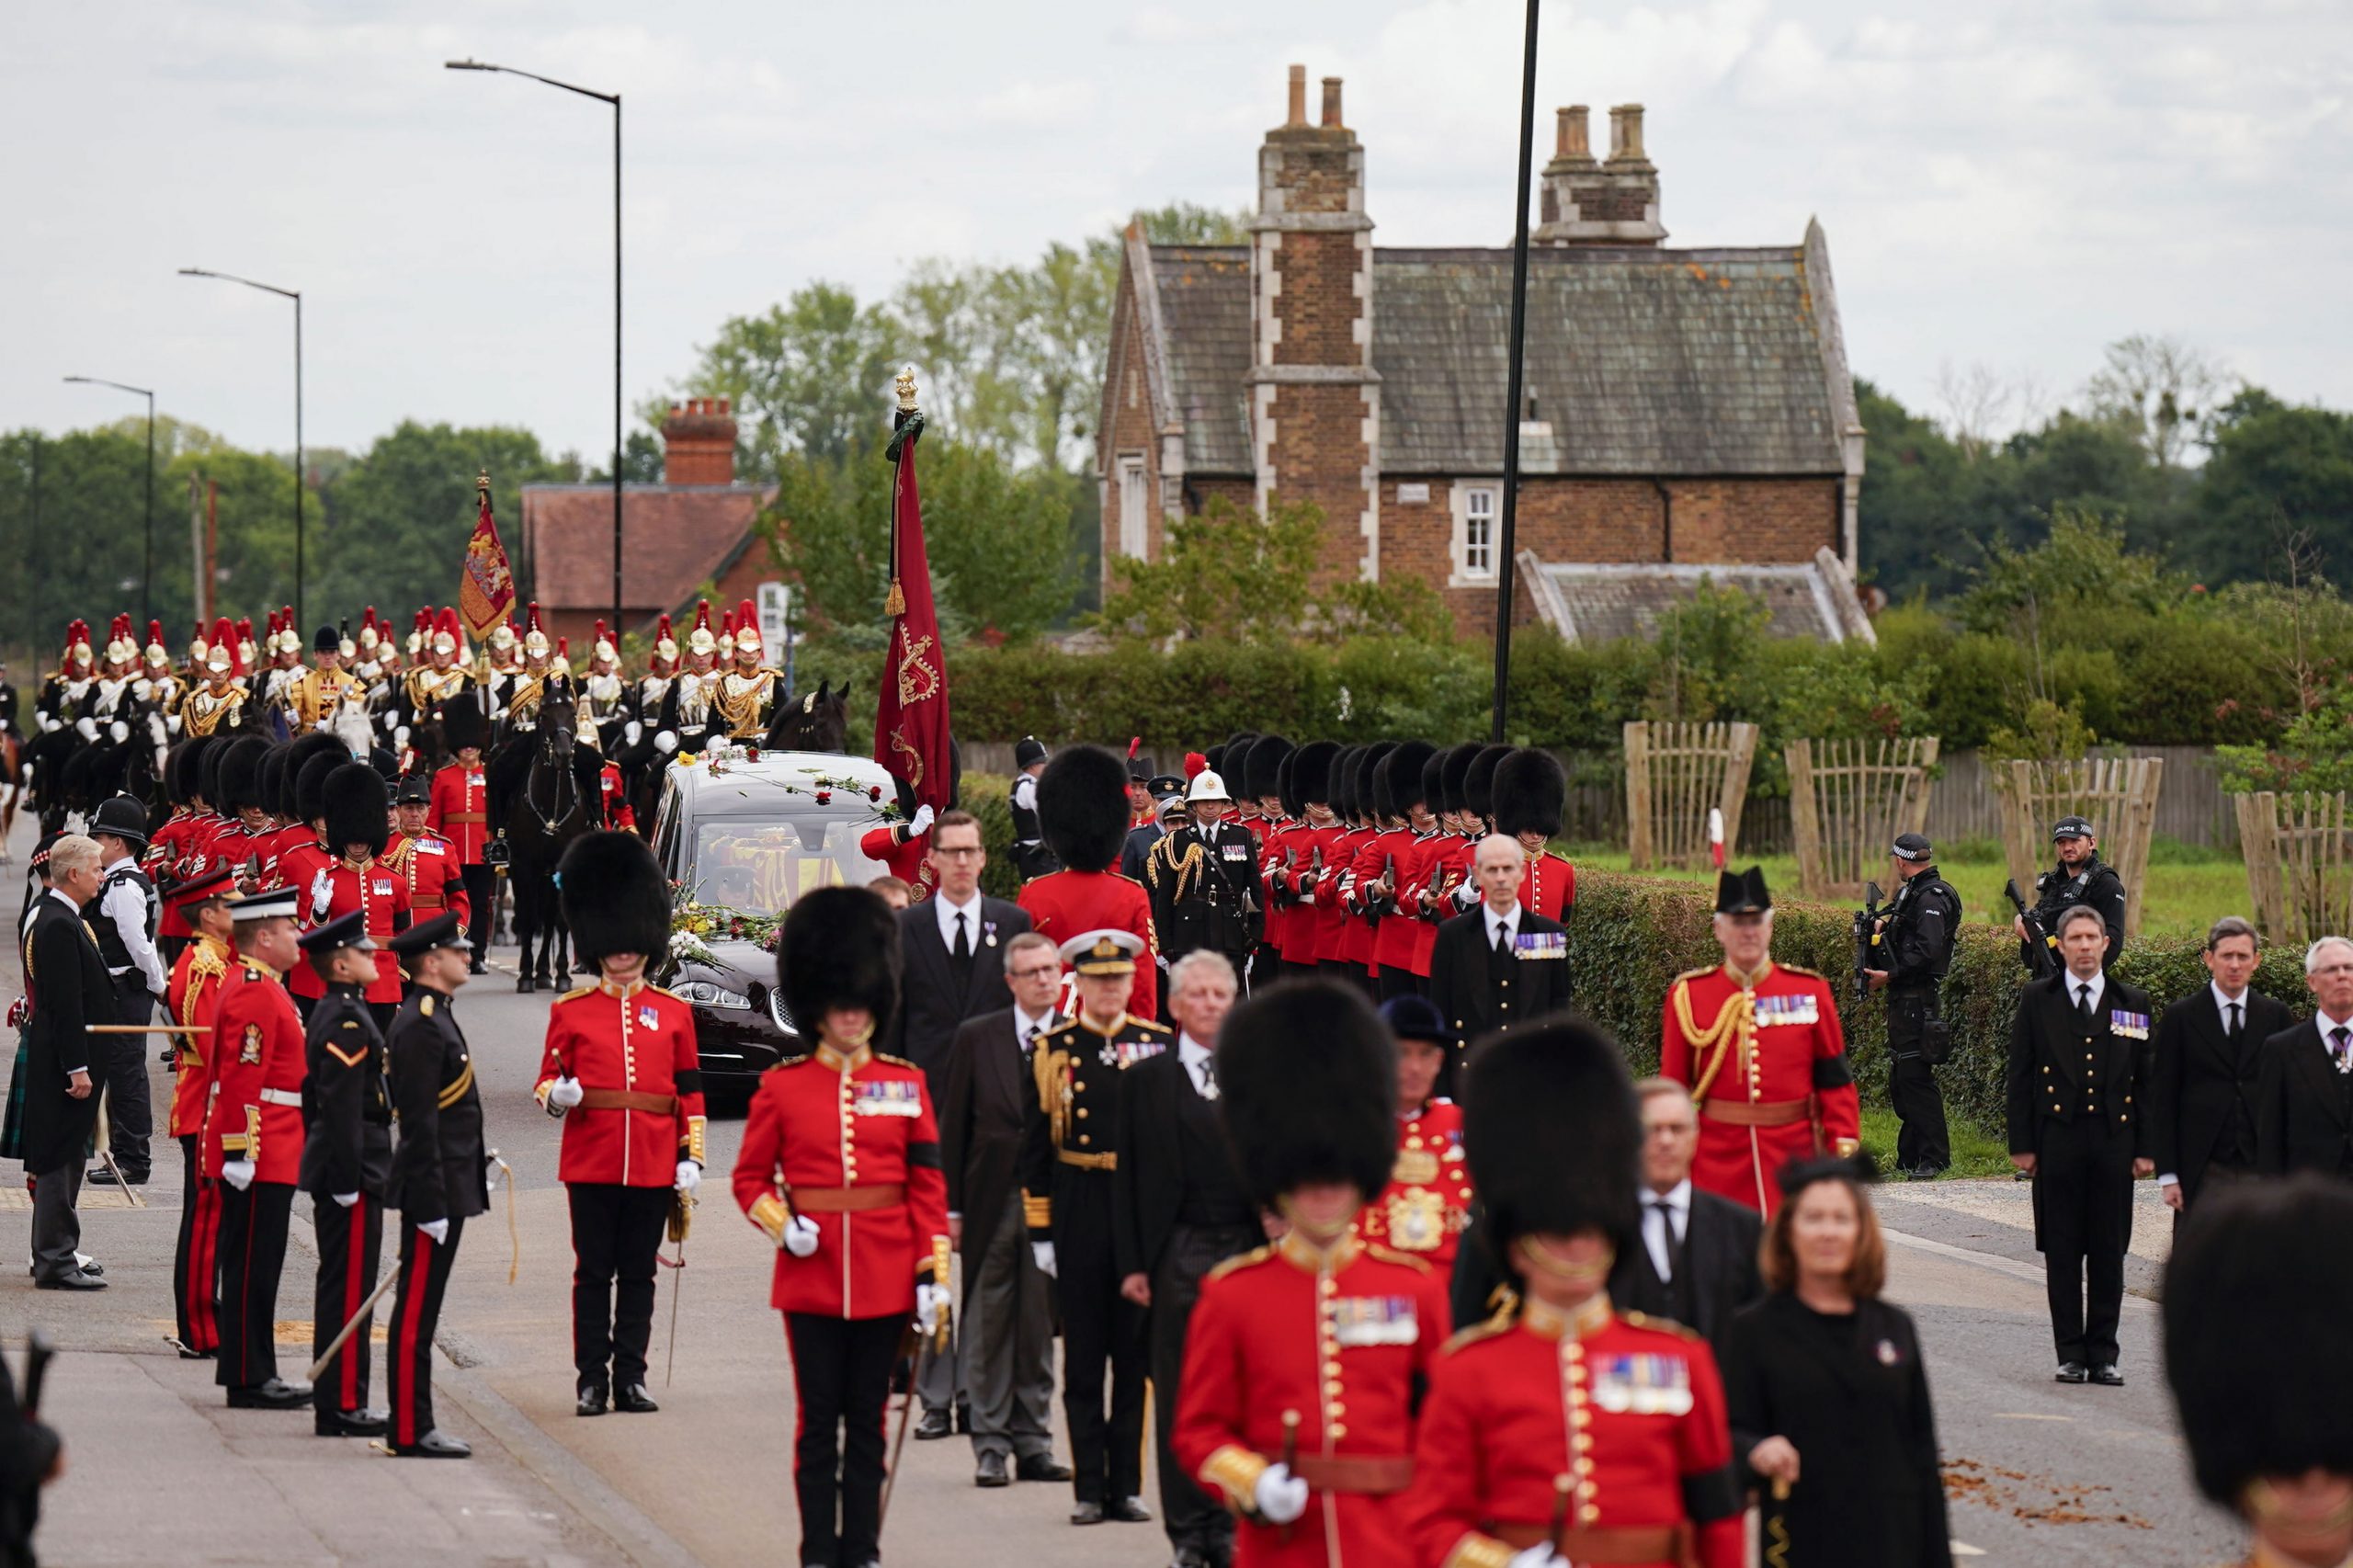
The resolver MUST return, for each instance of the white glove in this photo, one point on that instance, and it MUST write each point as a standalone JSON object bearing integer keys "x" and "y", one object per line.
{"x": 238, "y": 1174}
{"x": 690, "y": 1175}
{"x": 321, "y": 894}
{"x": 920, "y": 821}
{"x": 563, "y": 1095}
{"x": 173, "y": 723}
{"x": 142, "y": 688}
{"x": 438, "y": 1229}
{"x": 631, "y": 731}
{"x": 400, "y": 736}
{"x": 1280, "y": 1497}
{"x": 117, "y": 732}
{"x": 391, "y": 723}
{"x": 931, "y": 1307}
{"x": 49, "y": 724}
{"x": 665, "y": 743}
{"x": 799, "y": 1237}
{"x": 87, "y": 728}
{"x": 1042, "y": 1253}
{"x": 1466, "y": 895}
{"x": 1540, "y": 1555}
{"x": 346, "y": 1200}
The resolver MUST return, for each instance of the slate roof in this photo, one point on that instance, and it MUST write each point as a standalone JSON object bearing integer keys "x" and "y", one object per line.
{"x": 673, "y": 538}
{"x": 1642, "y": 361}
{"x": 1594, "y": 603}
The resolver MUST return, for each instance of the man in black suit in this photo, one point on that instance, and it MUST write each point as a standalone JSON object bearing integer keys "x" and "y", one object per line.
{"x": 1007, "y": 1364}
{"x": 2203, "y": 1078}
{"x": 1168, "y": 812}
{"x": 954, "y": 942}
{"x": 2079, "y": 1069}
{"x": 2304, "y": 1092}
{"x": 1178, "y": 1210}
{"x": 67, "y": 985}
{"x": 1698, "y": 1262}
{"x": 1500, "y": 966}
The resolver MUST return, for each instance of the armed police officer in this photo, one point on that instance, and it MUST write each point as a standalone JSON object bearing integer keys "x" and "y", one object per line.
{"x": 2080, "y": 877}
{"x": 1916, "y": 942}
{"x": 1031, "y": 856}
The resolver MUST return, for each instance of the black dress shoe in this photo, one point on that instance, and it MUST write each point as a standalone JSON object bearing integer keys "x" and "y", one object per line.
{"x": 434, "y": 1444}
{"x": 990, "y": 1471}
{"x": 275, "y": 1394}
{"x": 1087, "y": 1513}
{"x": 632, "y": 1398}
{"x": 189, "y": 1353}
{"x": 79, "y": 1279}
{"x": 2070, "y": 1372}
{"x": 592, "y": 1400}
{"x": 1040, "y": 1467}
{"x": 2106, "y": 1376}
{"x": 352, "y": 1423}
{"x": 1129, "y": 1511}
{"x": 105, "y": 1177}
{"x": 934, "y": 1424}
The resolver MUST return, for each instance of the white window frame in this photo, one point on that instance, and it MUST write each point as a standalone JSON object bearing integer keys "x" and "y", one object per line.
{"x": 1135, "y": 506}
{"x": 1464, "y": 497}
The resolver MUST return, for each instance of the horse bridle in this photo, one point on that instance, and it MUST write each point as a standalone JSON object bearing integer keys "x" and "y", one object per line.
{"x": 566, "y": 788}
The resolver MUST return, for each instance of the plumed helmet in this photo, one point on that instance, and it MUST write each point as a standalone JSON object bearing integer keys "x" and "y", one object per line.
{"x": 1399, "y": 784}
{"x": 613, "y": 896}
{"x": 1311, "y": 772}
{"x": 1529, "y": 792}
{"x": 1553, "y": 1135}
{"x": 1082, "y": 807}
{"x": 1258, "y": 765}
{"x": 1367, "y": 779}
{"x": 461, "y": 721}
{"x": 238, "y": 783}
{"x": 300, "y": 754}
{"x": 1478, "y": 780}
{"x": 311, "y": 784}
{"x": 1451, "y": 774}
{"x": 357, "y": 804}
{"x": 1307, "y": 1078}
{"x": 840, "y": 949}
{"x": 2260, "y": 1266}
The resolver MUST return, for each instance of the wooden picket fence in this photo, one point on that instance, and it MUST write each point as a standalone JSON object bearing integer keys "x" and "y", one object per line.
{"x": 2116, "y": 795}
{"x": 1673, "y": 774}
{"x": 2299, "y": 851}
{"x": 1849, "y": 799}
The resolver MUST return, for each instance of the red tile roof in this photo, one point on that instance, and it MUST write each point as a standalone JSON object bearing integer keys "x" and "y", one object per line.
{"x": 673, "y": 538}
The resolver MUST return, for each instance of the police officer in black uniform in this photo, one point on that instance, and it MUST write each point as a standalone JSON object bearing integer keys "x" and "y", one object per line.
{"x": 1031, "y": 856}
{"x": 1916, "y": 941}
{"x": 2080, "y": 877}
{"x": 1203, "y": 878}
{"x": 347, "y": 1165}
{"x": 439, "y": 1177}
{"x": 123, "y": 918}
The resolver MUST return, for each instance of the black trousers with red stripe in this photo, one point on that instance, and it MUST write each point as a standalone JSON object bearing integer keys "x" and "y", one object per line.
{"x": 416, "y": 1313}
{"x": 351, "y": 1241}
{"x": 841, "y": 1384}
{"x": 616, "y": 1234}
{"x": 196, "y": 1266}
{"x": 253, "y": 1254}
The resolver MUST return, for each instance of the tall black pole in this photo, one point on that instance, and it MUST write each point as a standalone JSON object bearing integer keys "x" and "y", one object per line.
{"x": 618, "y": 624}
{"x": 297, "y": 461}
{"x": 1505, "y": 573}
{"x": 147, "y": 578}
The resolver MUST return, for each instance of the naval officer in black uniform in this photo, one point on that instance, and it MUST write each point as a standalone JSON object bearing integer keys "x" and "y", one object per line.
{"x": 347, "y": 1165}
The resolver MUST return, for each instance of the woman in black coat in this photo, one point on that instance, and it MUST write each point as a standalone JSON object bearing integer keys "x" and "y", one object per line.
{"x": 1827, "y": 1393}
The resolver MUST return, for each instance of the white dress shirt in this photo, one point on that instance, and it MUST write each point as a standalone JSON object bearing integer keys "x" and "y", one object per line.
{"x": 2328, "y": 1028}
{"x": 1505, "y": 924}
{"x": 948, "y": 913}
{"x": 1026, "y": 1029}
{"x": 1662, "y": 1246}
{"x": 1196, "y": 1058}
{"x": 2223, "y": 1003}
{"x": 2076, "y": 983}
{"x": 123, "y": 904}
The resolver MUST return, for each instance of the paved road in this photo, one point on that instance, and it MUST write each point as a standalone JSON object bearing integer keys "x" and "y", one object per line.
{"x": 2040, "y": 1474}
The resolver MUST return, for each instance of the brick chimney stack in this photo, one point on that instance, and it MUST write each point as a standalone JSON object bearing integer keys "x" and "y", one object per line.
{"x": 698, "y": 443}
{"x": 1589, "y": 203}
{"x": 1315, "y": 397}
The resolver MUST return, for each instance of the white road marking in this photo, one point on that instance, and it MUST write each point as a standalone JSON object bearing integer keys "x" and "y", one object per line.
{"x": 2023, "y": 1415}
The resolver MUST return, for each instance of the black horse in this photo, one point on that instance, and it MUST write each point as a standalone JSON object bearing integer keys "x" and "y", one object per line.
{"x": 543, "y": 794}
{"x": 819, "y": 721}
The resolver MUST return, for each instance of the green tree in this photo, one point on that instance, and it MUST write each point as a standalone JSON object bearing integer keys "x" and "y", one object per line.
{"x": 810, "y": 377}
{"x": 2277, "y": 473}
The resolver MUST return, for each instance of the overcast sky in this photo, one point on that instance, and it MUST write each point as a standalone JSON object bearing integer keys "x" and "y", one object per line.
{"x": 2011, "y": 182}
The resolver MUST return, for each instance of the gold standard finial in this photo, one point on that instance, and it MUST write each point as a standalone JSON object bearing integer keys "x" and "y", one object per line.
{"x": 906, "y": 384}
{"x": 482, "y": 481}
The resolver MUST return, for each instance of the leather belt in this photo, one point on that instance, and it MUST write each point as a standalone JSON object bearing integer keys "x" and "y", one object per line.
{"x": 1621, "y": 1543}
{"x": 1769, "y": 1113}
{"x": 467, "y": 816}
{"x": 847, "y": 1199}
{"x": 282, "y": 1097}
{"x": 628, "y": 1100}
{"x": 1106, "y": 1162}
{"x": 1367, "y": 1475}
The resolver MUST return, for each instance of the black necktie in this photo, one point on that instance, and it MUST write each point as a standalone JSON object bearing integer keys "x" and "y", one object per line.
{"x": 2340, "y": 1035}
{"x": 2232, "y": 1029}
{"x": 963, "y": 950}
{"x": 960, "y": 957}
{"x": 2083, "y": 1002}
{"x": 1208, "y": 1077}
{"x": 1503, "y": 940}
{"x": 1666, "y": 1238}
{"x": 1029, "y": 1039}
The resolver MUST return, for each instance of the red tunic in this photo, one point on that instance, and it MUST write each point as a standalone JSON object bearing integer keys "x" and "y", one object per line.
{"x": 820, "y": 1128}
{"x": 297, "y": 869}
{"x": 909, "y": 862}
{"x": 1400, "y": 936}
{"x": 1063, "y": 904}
{"x": 1445, "y": 865}
{"x": 1549, "y": 887}
{"x": 1277, "y": 851}
{"x": 427, "y": 864}
{"x": 160, "y": 863}
{"x": 286, "y": 841}
{"x": 1307, "y": 848}
{"x": 245, "y": 853}
{"x": 1342, "y": 1340}
{"x": 1332, "y": 918}
{"x": 190, "y": 997}
{"x": 258, "y": 1065}
{"x": 380, "y": 893}
{"x": 1426, "y": 1204}
{"x": 618, "y": 814}
{"x": 1643, "y": 1400}
{"x": 1375, "y": 853}
{"x": 1772, "y": 1053}
{"x": 459, "y": 811}
{"x": 639, "y": 1040}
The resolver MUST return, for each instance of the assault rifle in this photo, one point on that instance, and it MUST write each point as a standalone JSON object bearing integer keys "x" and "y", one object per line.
{"x": 1867, "y": 921}
{"x": 2042, "y": 947}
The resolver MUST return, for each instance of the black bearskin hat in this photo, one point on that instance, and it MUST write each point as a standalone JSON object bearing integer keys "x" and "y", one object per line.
{"x": 1553, "y": 1135}
{"x": 1307, "y": 1077}
{"x": 1342, "y": 784}
{"x": 1401, "y": 777}
{"x": 273, "y": 779}
{"x": 1451, "y": 771}
{"x": 238, "y": 783}
{"x": 840, "y": 949}
{"x": 1479, "y": 780}
{"x": 1530, "y": 792}
{"x": 1082, "y": 807}
{"x": 357, "y": 802}
{"x": 1286, "y": 785}
{"x": 310, "y": 785}
{"x": 186, "y": 769}
{"x": 1311, "y": 772}
{"x": 614, "y": 897}
{"x": 1367, "y": 781}
{"x": 1258, "y": 765}
{"x": 207, "y": 766}
{"x": 462, "y": 725}
{"x": 2259, "y": 1268}
{"x": 305, "y": 750}
{"x": 1229, "y": 760}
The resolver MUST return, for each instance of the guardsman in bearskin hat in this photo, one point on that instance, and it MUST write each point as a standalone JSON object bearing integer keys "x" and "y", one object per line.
{"x": 347, "y": 1163}
{"x": 1530, "y": 792}
{"x": 300, "y": 851}
{"x": 459, "y": 812}
{"x": 1299, "y": 866}
{"x": 1305, "y": 1359}
{"x": 168, "y": 845}
{"x": 1426, "y": 1205}
{"x": 1031, "y": 856}
{"x": 1563, "y": 1431}
{"x": 1232, "y": 762}
{"x": 440, "y": 1173}
{"x": 1069, "y": 1155}
{"x": 246, "y": 842}
{"x": 1448, "y": 885}
{"x": 621, "y": 1067}
{"x": 252, "y": 1145}
{"x": 1262, "y": 772}
{"x": 1759, "y": 1046}
{"x": 1402, "y": 787}
{"x": 357, "y": 883}
{"x": 194, "y": 992}
{"x": 2257, "y": 1267}
{"x": 840, "y": 1131}
{"x": 1372, "y": 854}
{"x": 423, "y": 859}
{"x": 1082, "y": 803}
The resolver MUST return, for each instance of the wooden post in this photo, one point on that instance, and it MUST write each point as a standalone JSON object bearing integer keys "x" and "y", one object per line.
{"x": 1638, "y": 796}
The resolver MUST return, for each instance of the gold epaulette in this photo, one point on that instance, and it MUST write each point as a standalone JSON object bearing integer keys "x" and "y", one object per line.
{"x": 1795, "y": 968}
{"x": 206, "y": 963}
{"x": 574, "y": 996}
{"x": 661, "y": 990}
{"x": 1244, "y": 1260}
{"x": 1063, "y": 1028}
{"x": 896, "y": 1061}
{"x": 1390, "y": 1254}
{"x": 783, "y": 1062}
{"x": 1658, "y": 1325}
{"x": 1148, "y": 1025}
{"x": 1692, "y": 974}
{"x": 1486, "y": 1329}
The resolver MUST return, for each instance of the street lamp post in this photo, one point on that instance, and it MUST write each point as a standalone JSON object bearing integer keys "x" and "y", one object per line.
{"x": 146, "y": 582}
{"x": 1505, "y": 566}
{"x": 614, "y": 99}
{"x": 295, "y": 295}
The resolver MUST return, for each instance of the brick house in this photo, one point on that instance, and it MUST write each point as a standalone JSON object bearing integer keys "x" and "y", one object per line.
{"x": 696, "y": 527}
{"x": 1688, "y": 412}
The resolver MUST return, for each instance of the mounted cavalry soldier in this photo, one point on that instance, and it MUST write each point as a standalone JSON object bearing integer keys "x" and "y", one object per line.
{"x": 689, "y": 718}
{"x": 428, "y": 689}
{"x": 218, "y": 707}
{"x": 157, "y": 685}
{"x": 315, "y": 697}
{"x": 746, "y": 692}
{"x": 608, "y": 707}
{"x": 516, "y": 696}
